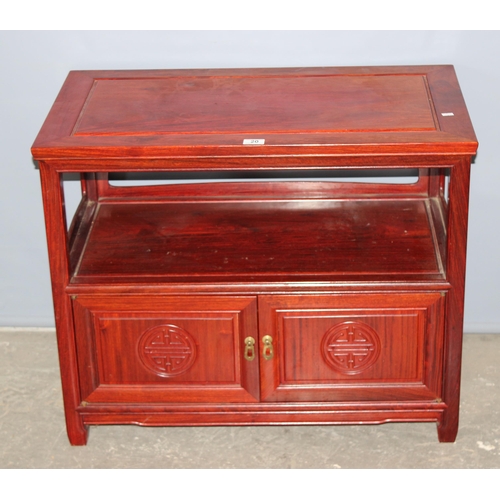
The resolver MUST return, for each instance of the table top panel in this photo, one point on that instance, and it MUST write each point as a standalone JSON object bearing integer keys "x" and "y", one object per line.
{"x": 294, "y": 111}
{"x": 242, "y": 105}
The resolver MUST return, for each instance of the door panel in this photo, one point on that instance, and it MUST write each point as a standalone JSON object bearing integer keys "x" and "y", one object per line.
{"x": 352, "y": 347}
{"x": 166, "y": 349}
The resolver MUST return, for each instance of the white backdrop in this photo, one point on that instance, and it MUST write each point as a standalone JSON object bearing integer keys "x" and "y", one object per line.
{"x": 34, "y": 64}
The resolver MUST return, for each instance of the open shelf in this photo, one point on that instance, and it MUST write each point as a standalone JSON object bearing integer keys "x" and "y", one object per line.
{"x": 301, "y": 240}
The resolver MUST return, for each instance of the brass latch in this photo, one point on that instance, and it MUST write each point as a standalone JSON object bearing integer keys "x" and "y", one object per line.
{"x": 268, "y": 351}
{"x": 249, "y": 348}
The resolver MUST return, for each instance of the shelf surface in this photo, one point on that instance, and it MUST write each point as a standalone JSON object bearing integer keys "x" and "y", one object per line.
{"x": 289, "y": 111}
{"x": 359, "y": 240}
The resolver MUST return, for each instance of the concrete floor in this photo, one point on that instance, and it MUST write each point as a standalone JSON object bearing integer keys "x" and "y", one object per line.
{"x": 33, "y": 435}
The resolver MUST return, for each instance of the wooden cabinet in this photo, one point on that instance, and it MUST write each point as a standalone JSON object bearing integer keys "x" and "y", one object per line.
{"x": 259, "y": 246}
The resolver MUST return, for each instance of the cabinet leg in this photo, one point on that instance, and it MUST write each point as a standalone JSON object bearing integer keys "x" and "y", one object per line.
{"x": 447, "y": 427}
{"x": 455, "y": 271}
{"x": 77, "y": 432}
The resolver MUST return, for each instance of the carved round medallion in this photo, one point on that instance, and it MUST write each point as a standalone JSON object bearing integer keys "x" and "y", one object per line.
{"x": 167, "y": 350}
{"x": 350, "y": 347}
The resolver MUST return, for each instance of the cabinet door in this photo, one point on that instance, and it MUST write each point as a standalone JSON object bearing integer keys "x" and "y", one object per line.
{"x": 351, "y": 347}
{"x": 150, "y": 349}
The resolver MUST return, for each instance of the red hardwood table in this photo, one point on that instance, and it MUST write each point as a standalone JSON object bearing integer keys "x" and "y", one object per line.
{"x": 299, "y": 296}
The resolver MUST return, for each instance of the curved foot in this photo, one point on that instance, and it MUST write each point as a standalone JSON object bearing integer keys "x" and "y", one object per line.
{"x": 77, "y": 433}
{"x": 447, "y": 428}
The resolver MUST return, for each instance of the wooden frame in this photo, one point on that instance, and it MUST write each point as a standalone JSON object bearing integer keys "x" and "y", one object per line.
{"x": 370, "y": 264}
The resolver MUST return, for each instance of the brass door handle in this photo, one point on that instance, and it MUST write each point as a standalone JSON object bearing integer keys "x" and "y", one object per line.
{"x": 268, "y": 350}
{"x": 249, "y": 349}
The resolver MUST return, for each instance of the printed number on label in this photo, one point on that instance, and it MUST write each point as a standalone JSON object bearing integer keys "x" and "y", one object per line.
{"x": 254, "y": 141}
